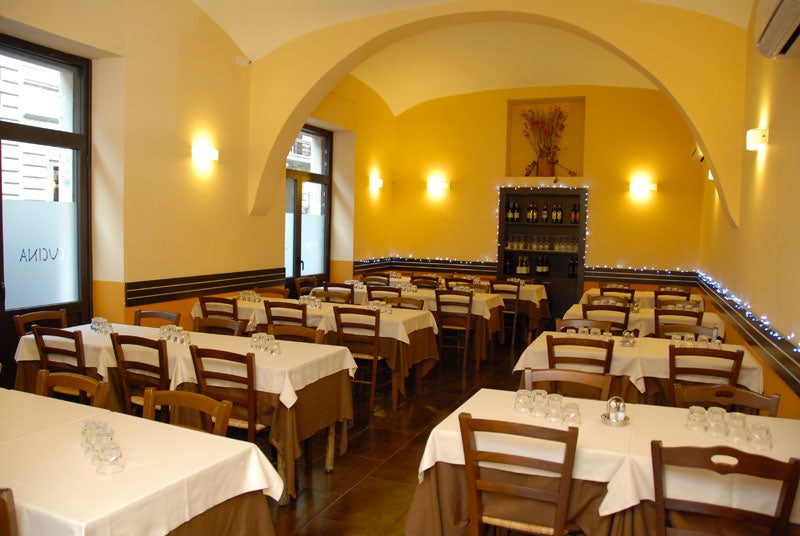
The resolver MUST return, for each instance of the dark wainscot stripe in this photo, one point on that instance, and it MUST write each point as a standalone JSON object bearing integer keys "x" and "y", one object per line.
{"x": 161, "y": 290}
{"x": 425, "y": 265}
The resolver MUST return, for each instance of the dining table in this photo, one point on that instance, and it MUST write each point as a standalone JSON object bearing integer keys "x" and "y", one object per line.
{"x": 646, "y": 299}
{"x": 173, "y": 480}
{"x": 304, "y": 390}
{"x": 643, "y": 366}
{"x": 644, "y": 319}
{"x": 612, "y": 489}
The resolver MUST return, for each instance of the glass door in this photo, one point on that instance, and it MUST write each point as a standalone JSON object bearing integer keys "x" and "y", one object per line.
{"x": 308, "y": 186}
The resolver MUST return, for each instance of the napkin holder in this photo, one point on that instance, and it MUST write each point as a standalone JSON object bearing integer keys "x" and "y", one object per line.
{"x": 628, "y": 338}
{"x": 616, "y": 412}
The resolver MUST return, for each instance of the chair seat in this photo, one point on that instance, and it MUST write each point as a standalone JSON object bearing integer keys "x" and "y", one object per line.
{"x": 518, "y": 525}
{"x": 69, "y": 391}
{"x": 242, "y": 424}
{"x": 358, "y": 355}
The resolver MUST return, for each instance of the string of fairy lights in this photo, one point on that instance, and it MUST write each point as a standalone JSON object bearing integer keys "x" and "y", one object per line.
{"x": 761, "y": 322}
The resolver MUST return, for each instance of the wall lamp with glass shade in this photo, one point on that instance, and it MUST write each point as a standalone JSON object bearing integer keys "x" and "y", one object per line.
{"x": 375, "y": 182}
{"x": 757, "y": 138}
{"x": 438, "y": 184}
{"x": 642, "y": 186}
{"x": 202, "y": 151}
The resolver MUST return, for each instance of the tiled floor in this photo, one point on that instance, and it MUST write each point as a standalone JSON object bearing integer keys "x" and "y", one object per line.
{"x": 371, "y": 487}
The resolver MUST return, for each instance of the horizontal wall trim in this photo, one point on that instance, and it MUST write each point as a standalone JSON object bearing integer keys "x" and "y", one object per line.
{"x": 425, "y": 265}
{"x": 161, "y": 290}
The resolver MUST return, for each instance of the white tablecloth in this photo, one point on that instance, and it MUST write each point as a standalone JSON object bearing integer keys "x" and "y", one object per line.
{"x": 532, "y": 293}
{"x": 482, "y": 302}
{"x": 646, "y": 298}
{"x": 645, "y": 321}
{"x": 649, "y": 357}
{"x": 171, "y": 474}
{"x": 620, "y": 455}
{"x": 298, "y": 365}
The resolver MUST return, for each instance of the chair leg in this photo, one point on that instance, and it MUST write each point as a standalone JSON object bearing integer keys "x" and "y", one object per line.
{"x": 372, "y": 385}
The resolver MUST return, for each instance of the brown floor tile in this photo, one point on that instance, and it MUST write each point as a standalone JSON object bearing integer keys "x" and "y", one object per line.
{"x": 389, "y": 500}
{"x": 379, "y": 443}
{"x": 309, "y": 503}
{"x": 348, "y": 470}
{"x": 402, "y": 467}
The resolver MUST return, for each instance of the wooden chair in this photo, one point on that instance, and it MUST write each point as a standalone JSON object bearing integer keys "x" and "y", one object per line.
{"x": 406, "y": 302}
{"x": 304, "y": 285}
{"x": 619, "y": 314}
{"x": 454, "y": 316}
{"x": 452, "y": 282}
{"x": 217, "y": 306}
{"x": 289, "y": 313}
{"x": 509, "y": 293}
{"x": 142, "y": 363}
{"x": 215, "y": 414}
{"x": 425, "y": 282}
{"x": 237, "y": 372}
{"x": 286, "y": 332}
{"x": 729, "y": 364}
{"x": 727, "y": 396}
{"x": 668, "y": 330}
{"x": 8, "y": 513}
{"x": 675, "y": 316}
{"x": 159, "y": 317}
{"x": 376, "y": 279}
{"x": 359, "y": 330}
{"x": 47, "y": 382}
{"x": 563, "y": 324}
{"x": 618, "y": 289}
{"x": 338, "y": 290}
{"x": 671, "y": 295}
{"x": 579, "y": 353}
{"x": 63, "y": 345}
{"x": 272, "y": 291}
{"x": 23, "y": 323}
{"x": 601, "y": 382}
{"x": 723, "y": 460}
{"x": 220, "y": 326}
{"x": 379, "y": 292}
{"x": 503, "y": 483}
{"x": 609, "y": 299}
{"x": 333, "y": 296}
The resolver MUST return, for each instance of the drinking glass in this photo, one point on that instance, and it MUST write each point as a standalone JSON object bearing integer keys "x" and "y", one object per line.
{"x": 696, "y": 419}
{"x": 760, "y": 437}
{"x": 108, "y": 458}
{"x": 522, "y": 401}
{"x": 737, "y": 427}
{"x": 572, "y": 414}
{"x": 555, "y": 408}
{"x": 539, "y": 403}
{"x": 274, "y": 348}
{"x": 716, "y": 422}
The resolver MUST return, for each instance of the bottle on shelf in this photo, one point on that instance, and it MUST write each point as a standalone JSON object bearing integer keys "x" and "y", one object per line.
{"x": 509, "y": 211}
{"x": 557, "y": 218}
{"x": 516, "y": 211}
{"x": 545, "y": 214}
{"x": 529, "y": 214}
{"x": 546, "y": 269}
{"x": 535, "y": 213}
{"x": 577, "y": 213}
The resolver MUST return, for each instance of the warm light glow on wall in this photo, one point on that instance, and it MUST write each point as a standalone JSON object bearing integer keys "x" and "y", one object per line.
{"x": 710, "y": 175}
{"x": 438, "y": 184}
{"x": 375, "y": 181}
{"x": 757, "y": 139}
{"x": 642, "y": 186}
{"x": 203, "y": 154}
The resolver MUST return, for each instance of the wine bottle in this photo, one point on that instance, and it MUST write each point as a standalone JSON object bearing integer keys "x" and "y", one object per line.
{"x": 545, "y": 214}
{"x": 572, "y": 214}
{"x": 516, "y": 211}
{"x": 529, "y": 215}
{"x": 535, "y": 213}
{"x": 509, "y": 212}
{"x": 547, "y": 266}
{"x": 577, "y": 213}
{"x": 559, "y": 214}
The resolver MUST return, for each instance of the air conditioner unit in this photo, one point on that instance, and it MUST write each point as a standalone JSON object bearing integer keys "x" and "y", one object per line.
{"x": 777, "y": 28}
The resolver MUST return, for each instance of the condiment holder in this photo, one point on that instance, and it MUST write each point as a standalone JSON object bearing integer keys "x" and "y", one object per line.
{"x": 628, "y": 338}
{"x": 616, "y": 412}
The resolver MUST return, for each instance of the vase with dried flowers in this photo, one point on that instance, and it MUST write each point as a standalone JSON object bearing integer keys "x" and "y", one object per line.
{"x": 544, "y": 130}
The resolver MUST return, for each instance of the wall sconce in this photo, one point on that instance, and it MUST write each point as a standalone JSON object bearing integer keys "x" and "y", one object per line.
{"x": 375, "y": 182}
{"x": 437, "y": 184}
{"x": 757, "y": 138}
{"x": 204, "y": 153}
{"x": 641, "y": 186}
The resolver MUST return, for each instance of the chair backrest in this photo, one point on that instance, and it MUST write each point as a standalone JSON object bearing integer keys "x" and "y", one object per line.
{"x": 671, "y": 295}
{"x": 616, "y": 314}
{"x": 338, "y": 289}
{"x": 727, "y": 396}
{"x": 359, "y": 330}
{"x": 215, "y": 413}
{"x": 220, "y": 326}
{"x": 715, "y": 366}
{"x": 675, "y": 316}
{"x": 23, "y": 323}
{"x": 452, "y": 282}
{"x": 60, "y": 350}
{"x": 159, "y": 317}
{"x": 304, "y": 285}
{"x": 272, "y": 291}
{"x": 96, "y": 390}
{"x": 508, "y": 292}
{"x": 217, "y": 306}
{"x": 563, "y": 324}
{"x": 405, "y": 302}
{"x": 376, "y": 279}
{"x": 8, "y": 513}
{"x": 666, "y": 331}
{"x": 453, "y": 309}
{"x": 618, "y": 289}
{"x": 288, "y": 332}
{"x": 291, "y": 313}
{"x": 580, "y": 353}
{"x": 723, "y": 460}
{"x": 380, "y": 292}
{"x": 425, "y": 282}
{"x": 142, "y": 363}
{"x": 601, "y": 382}
{"x": 609, "y": 299}
{"x": 230, "y": 376}
{"x": 502, "y": 480}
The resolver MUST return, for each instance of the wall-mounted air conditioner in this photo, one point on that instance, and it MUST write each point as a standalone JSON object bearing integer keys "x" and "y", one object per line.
{"x": 777, "y": 27}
